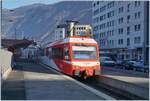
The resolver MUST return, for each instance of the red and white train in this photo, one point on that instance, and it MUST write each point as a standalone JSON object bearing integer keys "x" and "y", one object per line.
{"x": 75, "y": 56}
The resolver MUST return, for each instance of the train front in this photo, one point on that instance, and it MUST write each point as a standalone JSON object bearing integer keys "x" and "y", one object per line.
{"x": 85, "y": 60}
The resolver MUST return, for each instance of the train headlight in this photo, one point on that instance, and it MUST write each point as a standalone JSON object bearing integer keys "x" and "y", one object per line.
{"x": 77, "y": 72}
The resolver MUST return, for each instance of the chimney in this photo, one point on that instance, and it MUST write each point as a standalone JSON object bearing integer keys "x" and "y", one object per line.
{"x": 70, "y": 28}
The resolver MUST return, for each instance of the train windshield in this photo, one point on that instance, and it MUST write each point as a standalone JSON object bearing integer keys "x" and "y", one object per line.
{"x": 84, "y": 52}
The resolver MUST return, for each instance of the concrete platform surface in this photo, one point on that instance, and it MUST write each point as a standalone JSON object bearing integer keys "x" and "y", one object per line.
{"x": 35, "y": 82}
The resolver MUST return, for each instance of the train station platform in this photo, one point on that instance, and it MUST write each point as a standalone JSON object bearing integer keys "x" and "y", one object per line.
{"x": 31, "y": 81}
{"x": 128, "y": 82}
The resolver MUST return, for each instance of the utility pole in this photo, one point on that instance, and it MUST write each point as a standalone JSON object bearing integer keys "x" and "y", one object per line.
{"x": 146, "y": 33}
{"x": 0, "y": 23}
{"x": 22, "y": 34}
{"x": 15, "y": 34}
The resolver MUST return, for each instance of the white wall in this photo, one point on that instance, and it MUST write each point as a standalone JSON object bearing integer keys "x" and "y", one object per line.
{"x": 6, "y": 60}
{"x": 59, "y": 34}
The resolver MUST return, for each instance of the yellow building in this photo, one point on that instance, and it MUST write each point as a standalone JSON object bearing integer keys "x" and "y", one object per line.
{"x": 82, "y": 30}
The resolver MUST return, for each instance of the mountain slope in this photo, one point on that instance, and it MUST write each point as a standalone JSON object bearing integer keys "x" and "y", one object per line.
{"x": 38, "y": 19}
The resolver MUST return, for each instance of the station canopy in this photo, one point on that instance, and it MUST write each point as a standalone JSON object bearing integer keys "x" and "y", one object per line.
{"x": 16, "y": 43}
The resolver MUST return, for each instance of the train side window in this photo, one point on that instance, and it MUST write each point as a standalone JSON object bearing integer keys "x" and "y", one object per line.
{"x": 46, "y": 52}
{"x": 57, "y": 53}
{"x": 66, "y": 53}
{"x": 50, "y": 53}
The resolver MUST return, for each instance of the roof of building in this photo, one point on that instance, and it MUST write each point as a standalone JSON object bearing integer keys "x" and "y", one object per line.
{"x": 16, "y": 43}
{"x": 62, "y": 26}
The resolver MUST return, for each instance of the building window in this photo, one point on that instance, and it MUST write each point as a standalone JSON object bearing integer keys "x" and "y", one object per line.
{"x": 128, "y": 18}
{"x": 102, "y": 42}
{"x": 120, "y": 30}
{"x": 112, "y": 32}
{"x": 102, "y": 17}
{"x": 102, "y": 34}
{"x": 96, "y": 36}
{"x": 97, "y": 2}
{"x": 120, "y": 41}
{"x": 96, "y": 20}
{"x": 137, "y": 15}
{"x": 137, "y": 3}
{"x": 95, "y": 28}
{"x": 111, "y": 4}
{"x": 137, "y": 40}
{"x": 137, "y": 27}
{"x": 110, "y": 14}
{"x": 60, "y": 31}
{"x": 96, "y": 12}
{"x": 120, "y": 9}
{"x": 110, "y": 23}
{"x": 120, "y": 20}
{"x": 103, "y": 8}
{"x": 94, "y": 4}
{"x": 112, "y": 42}
{"x": 128, "y": 41}
{"x": 128, "y": 8}
{"x": 128, "y": 30}
{"x": 102, "y": 26}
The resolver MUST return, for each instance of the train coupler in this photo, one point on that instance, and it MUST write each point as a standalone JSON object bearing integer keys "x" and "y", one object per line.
{"x": 83, "y": 74}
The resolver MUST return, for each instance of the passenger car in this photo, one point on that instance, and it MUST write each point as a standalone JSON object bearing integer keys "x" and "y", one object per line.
{"x": 107, "y": 61}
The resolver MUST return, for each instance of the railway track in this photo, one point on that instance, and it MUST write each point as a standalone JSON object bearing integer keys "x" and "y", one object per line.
{"x": 92, "y": 82}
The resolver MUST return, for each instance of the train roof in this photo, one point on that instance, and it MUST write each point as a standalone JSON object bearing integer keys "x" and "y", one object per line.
{"x": 73, "y": 40}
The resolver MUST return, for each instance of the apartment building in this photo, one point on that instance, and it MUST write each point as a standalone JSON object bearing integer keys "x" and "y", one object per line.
{"x": 71, "y": 29}
{"x": 82, "y": 29}
{"x": 60, "y": 32}
{"x": 121, "y": 27}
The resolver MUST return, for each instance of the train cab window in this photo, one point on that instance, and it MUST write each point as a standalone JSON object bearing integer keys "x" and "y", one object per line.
{"x": 84, "y": 52}
{"x": 66, "y": 53}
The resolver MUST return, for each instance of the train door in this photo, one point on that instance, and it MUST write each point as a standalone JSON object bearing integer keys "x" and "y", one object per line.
{"x": 46, "y": 52}
{"x": 67, "y": 67}
{"x": 66, "y": 53}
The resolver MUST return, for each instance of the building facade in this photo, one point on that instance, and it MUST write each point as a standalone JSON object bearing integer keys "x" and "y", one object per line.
{"x": 120, "y": 27}
{"x": 59, "y": 33}
{"x": 82, "y": 30}
{"x": 64, "y": 30}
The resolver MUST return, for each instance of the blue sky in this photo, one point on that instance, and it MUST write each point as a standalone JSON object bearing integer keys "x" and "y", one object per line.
{"x": 10, "y": 4}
